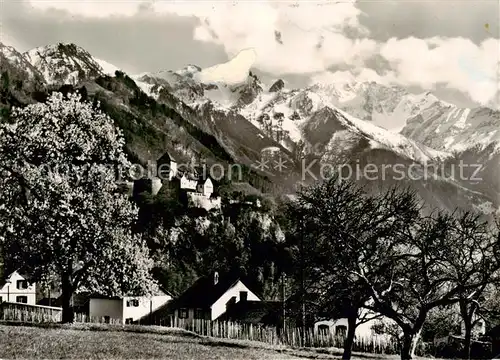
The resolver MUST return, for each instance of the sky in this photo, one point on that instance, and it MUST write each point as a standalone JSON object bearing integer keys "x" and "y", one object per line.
{"x": 451, "y": 47}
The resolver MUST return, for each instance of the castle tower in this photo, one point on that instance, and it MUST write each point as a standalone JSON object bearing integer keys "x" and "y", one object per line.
{"x": 166, "y": 167}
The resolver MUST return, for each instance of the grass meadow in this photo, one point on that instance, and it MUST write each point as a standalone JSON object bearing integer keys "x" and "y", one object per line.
{"x": 103, "y": 341}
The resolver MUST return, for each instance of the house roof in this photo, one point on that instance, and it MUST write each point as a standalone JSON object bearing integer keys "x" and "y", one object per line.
{"x": 160, "y": 292}
{"x": 166, "y": 158}
{"x": 189, "y": 175}
{"x": 105, "y": 297}
{"x": 255, "y": 312}
{"x": 4, "y": 280}
{"x": 203, "y": 180}
{"x": 204, "y": 293}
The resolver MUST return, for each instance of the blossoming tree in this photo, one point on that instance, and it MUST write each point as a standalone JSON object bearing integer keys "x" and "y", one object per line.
{"x": 61, "y": 209}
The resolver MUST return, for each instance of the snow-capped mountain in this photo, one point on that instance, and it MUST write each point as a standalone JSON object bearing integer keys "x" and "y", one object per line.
{"x": 188, "y": 135}
{"x": 337, "y": 124}
{"x": 331, "y": 124}
{"x": 425, "y": 118}
{"x": 106, "y": 67}
{"x": 62, "y": 63}
{"x": 12, "y": 57}
{"x": 286, "y": 114}
{"x": 386, "y": 106}
{"x": 456, "y": 129}
{"x": 19, "y": 75}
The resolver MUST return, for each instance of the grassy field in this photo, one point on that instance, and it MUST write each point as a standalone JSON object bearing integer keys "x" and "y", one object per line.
{"x": 140, "y": 342}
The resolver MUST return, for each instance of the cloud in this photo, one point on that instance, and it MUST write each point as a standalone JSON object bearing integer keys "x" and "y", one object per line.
{"x": 313, "y": 39}
{"x": 457, "y": 63}
{"x": 353, "y": 76}
{"x": 319, "y": 40}
{"x": 311, "y": 36}
{"x": 232, "y": 72}
{"x": 92, "y": 9}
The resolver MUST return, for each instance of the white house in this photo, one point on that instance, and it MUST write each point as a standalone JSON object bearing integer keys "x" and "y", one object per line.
{"x": 16, "y": 288}
{"x": 209, "y": 297}
{"x": 339, "y": 327}
{"x": 205, "y": 187}
{"x": 202, "y": 197}
{"x": 201, "y": 201}
{"x": 127, "y": 309}
{"x": 187, "y": 183}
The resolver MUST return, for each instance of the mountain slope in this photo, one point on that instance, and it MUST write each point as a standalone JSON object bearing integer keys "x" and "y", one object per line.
{"x": 18, "y": 78}
{"x": 150, "y": 128}
{"x": 11, "y": 57}
{"x": 282, "y": 114}
{"x": 313, "y": 128}
{"x": 63, "y": 63}
{"x": 456, "y": 129}
{"x": 310, "y": 130}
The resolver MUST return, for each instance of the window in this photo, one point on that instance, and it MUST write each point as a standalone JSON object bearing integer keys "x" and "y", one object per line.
{"x": 1, "y": 301}
{"x": 22, "y": 284}
{"x": 133, "y": 303}
{"x": 22, "y": 299}
{"x": 129, "y": 321}
{"x": 107, "y": 319}
{"x": 341, "y": 330}
{"x": 324, "y": 329}
{"x": 199, "y": 314}
{"x": 183, "y": 313}
{"x": 243, "y": 296}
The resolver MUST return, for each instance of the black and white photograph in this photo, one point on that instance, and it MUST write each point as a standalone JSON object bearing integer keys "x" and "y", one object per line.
{"x": 250, "y": 179}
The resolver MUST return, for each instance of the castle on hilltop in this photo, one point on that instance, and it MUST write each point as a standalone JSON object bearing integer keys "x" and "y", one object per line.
{"x": 197, "y": 187}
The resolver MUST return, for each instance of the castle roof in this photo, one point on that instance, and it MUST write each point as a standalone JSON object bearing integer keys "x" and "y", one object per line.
{"x": 166, "y": 158}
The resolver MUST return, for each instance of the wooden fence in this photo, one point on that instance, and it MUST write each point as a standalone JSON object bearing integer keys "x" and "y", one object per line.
{"x": 29, "y": 313}
{"x": 26, "y": 313}
{"x": 290, "y": 336}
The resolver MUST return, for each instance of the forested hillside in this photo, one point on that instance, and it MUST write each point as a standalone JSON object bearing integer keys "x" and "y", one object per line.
{"x": 189, "y": 242}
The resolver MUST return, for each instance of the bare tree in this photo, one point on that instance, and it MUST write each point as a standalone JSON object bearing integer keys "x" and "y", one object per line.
{"x": 341, "y": 223}
{"x": 383, "y": 249}
{"x": 475, "y": 258}
{"x": 427, "y": 272}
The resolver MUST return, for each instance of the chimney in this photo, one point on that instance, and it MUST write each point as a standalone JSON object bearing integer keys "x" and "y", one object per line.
{"x": 216, "y": 278}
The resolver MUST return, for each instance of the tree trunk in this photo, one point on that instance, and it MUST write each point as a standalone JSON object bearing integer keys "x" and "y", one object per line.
{"x": 416, "y": 339}
{"x": 467, "y": 314}
{"x": 67, "y": 294}
{"x": 349, "y": 341}
{"x": 406, "y": 350}
{"x": 410, "y": 341}
{"x": 467, "y": 339}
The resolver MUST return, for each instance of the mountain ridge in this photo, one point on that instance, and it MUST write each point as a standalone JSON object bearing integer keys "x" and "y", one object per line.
{"x": 314, "y": 124}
